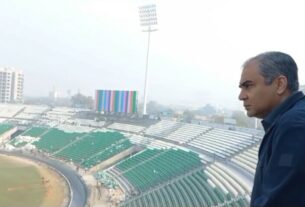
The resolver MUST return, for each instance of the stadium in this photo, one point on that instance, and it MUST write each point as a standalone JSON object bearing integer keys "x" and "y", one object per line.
{"x": 187, "y": 143}
{"x": 119, "y": 159}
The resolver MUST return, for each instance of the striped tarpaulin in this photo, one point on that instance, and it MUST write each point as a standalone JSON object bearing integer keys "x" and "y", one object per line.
{"x": 116, "y": 101}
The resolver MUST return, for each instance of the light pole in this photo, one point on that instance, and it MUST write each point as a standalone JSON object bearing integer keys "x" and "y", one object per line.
{"x": 148, "y": 19}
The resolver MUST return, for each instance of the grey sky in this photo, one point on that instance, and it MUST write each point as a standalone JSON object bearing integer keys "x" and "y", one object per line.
{"x": 195, "y": 58}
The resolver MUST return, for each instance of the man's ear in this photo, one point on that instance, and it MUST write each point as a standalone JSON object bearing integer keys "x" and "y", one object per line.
{"x": 281, "y": 84}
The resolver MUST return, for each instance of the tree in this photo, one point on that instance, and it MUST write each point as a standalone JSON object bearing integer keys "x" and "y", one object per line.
{"x": 207, "y": 110}
{"x": 188, "y": 116}
{"x": 241, "y": 119}
{"x": 155, "y": 108}
{"x": 219, "y": 119}
{"x": 81, "y": 101}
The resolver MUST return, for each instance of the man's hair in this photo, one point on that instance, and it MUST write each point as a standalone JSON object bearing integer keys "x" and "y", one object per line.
{"x": 274, "y": 64}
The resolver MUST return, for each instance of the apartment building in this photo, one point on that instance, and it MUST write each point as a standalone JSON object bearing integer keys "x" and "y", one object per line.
{"x": 11, "y": 85}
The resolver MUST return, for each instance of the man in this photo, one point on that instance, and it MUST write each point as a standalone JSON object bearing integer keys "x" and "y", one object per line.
{"x": 269, "y": 90}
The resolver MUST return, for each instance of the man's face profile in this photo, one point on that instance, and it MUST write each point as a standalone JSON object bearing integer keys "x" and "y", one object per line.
{"x": 258, "y": 98}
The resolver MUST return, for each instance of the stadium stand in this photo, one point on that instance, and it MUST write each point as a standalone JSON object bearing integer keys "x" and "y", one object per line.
{"x": 163, "y": 128}
{"x": 35, "y": 109}
{"x": 149, "y": 142}
{"x": 247, "y": 159}
{"x": 126, "y": 127}
{"x": 60, "y": 114}
{"x": 85, "y": 122}
{"x": 140, "y": 140}
{"x": 223, "y": 143}
{"x": 5, "y": 127}
{"x": 154, "y": 166}
{"x": 71, "y": 128}
{"x": 193, "y": 189}
{"x": 187, "y": 132}
{"x": 28, "y": 136}
{"x": 34, "y": 131}
{"x": 167, "y": 172}
{"x": 10, "y": 110}
{"x": 56, "y": 139}
{"x": 75, "y": 143}
{"x": 2, "y": 120}
{"x": 32, "y": 112}
{"x": 94, "y": 147}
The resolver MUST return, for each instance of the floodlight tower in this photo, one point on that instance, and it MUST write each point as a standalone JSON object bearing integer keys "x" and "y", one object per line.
{"x": 148, "y": 20}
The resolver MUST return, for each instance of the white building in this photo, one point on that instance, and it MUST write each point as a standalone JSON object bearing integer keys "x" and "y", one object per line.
{"x": 54, "y": 94}
{"x": 11, "y": 85}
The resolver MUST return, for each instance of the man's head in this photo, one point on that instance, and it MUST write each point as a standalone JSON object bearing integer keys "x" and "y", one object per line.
{"x": 266, "y": 81}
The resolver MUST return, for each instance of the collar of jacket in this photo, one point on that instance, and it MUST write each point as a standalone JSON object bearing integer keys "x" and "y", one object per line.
{"x": 281, "y": 109}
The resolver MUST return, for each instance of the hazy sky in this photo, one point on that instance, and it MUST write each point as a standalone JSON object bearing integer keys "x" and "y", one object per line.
{"x": 195, "y": 56}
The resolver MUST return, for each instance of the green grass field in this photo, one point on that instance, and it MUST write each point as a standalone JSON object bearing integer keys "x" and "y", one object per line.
{"x": 20, "y": 184}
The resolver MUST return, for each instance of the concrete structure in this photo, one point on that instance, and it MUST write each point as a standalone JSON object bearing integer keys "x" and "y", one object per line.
{"x": 11, "y": 85}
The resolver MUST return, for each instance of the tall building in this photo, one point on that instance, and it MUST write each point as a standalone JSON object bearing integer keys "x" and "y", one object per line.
{"x": 11, "y": 85}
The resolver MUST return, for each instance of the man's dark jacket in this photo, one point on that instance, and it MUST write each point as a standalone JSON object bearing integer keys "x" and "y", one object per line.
{"x": 280, "y": 174}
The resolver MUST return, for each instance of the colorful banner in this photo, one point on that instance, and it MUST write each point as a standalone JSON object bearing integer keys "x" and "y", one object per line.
{"x": 116, "y": 101}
